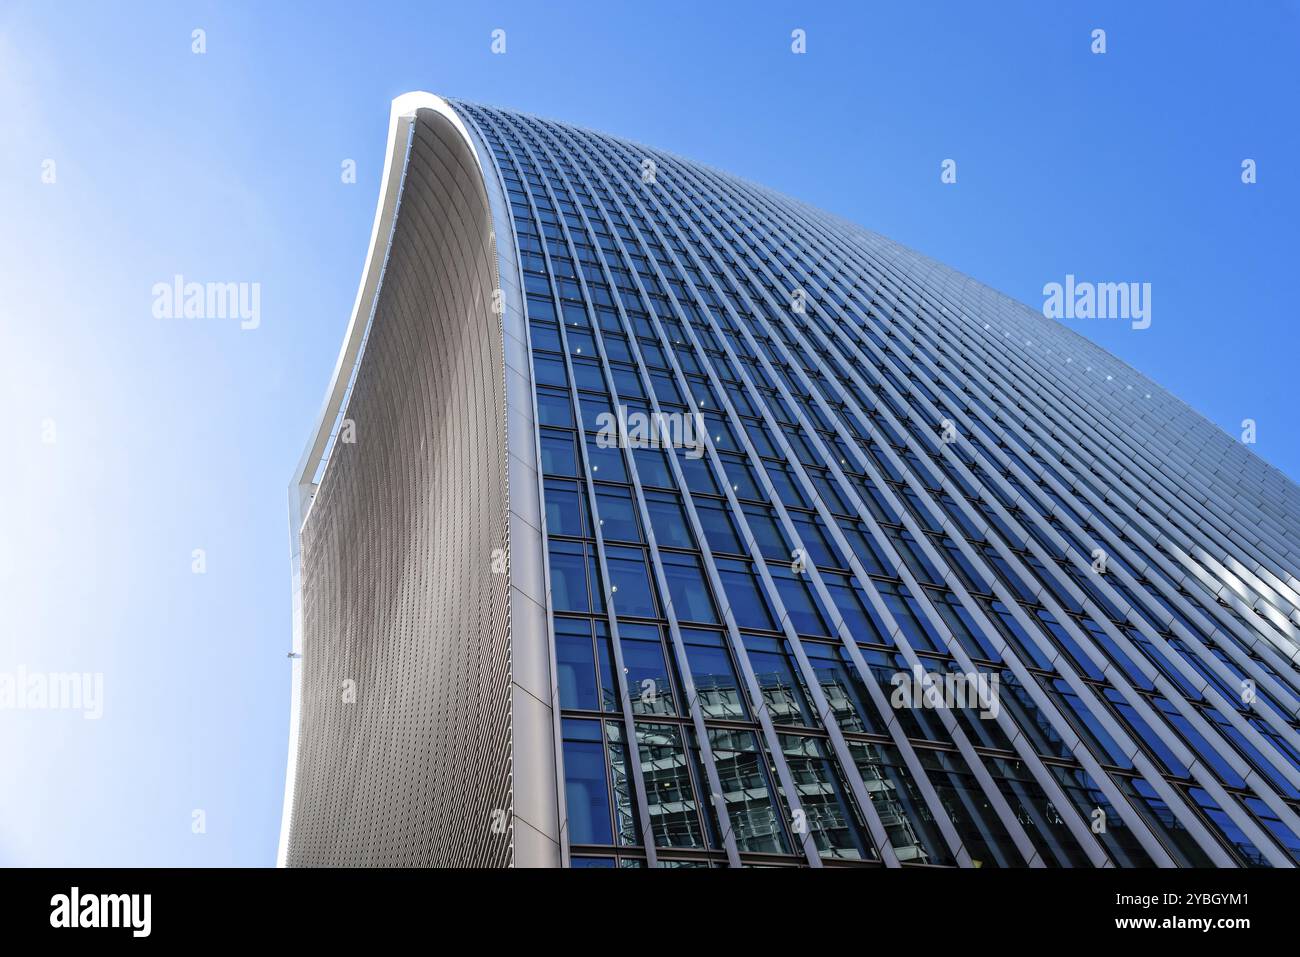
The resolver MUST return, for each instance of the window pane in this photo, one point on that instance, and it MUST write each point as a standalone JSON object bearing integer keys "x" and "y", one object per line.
{"x": 568, "y": 577}
{"x": 801, "y": 606}
{"x": 716, "y": 685}
{"x": 628, "y": 574}
{"x": 576, "y": 664}
{"x": 618, "y": 515}
{"x": 673, "y": 815}
{"x": 566, "y": 509}
{"x": 625, "y": 820}
{"x": 771, "y": 541}
{"x": 652, "y": 468}
{"x": 748, "y": 604}
{"x": 647, "y": 674}
{"x": 913, "y": 832}
{"x": 585, "y": 784}
{"x": 668, "y": 520}
{"x": 559, "y": 456}
{"x": 606, "y": 462}
{"x": 687, "y": 589}
{"x": 719, "y": 528}
{"x": 554, "y": 409}
{"x": 781, "y": 689}
{"x": 747, "y": 792}
{"x": 843, "y": 687}
{"x": 609, "y": 693}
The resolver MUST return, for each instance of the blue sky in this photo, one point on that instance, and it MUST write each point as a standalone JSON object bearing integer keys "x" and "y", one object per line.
{"x": 171, "y": 436}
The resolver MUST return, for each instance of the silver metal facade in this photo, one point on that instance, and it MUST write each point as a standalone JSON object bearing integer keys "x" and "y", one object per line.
{"x": 904, "y": 472}
{"x": 410, "y": 683}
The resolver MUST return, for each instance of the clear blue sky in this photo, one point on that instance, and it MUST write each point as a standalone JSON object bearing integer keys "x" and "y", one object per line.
{"x": 172, "y": 436}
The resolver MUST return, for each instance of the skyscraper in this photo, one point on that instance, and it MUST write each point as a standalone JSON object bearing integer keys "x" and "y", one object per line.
{"x": 655, "y": 518}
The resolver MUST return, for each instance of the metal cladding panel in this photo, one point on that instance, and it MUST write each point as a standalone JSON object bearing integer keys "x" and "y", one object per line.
{"x": 404, "y": 754}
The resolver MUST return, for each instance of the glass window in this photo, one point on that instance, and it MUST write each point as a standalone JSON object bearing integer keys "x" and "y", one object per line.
{"x": 908, "y": 822}
{"x": 716, "y": 686}
{"x": 541, "y": 308}
{"x": 864, "y": 624}
{"x": 747, "y": 792}
{"x": 783, "y": 481}
{"x": 586, "y": 786}
{"x": 1044, "y": 826}
{"x": 696, "y": 471}
{"x": 648, "y": 683}
{"x": 742, "y": 478}
{"x": 568, "y": 576}
{"x": 548, "y": 370}
{"x": 626, "y": 825}
{"x": 719, "y": 528}
{"x": 748, "y": 604}
{"x": 618, "y": 518}
{"x": 616, "y": 347}
{"x": 908, "y": 614}
{"x": 587, "y": 375}
{"x": 606, "y": 462}
{"x": 771, "y": 540}
{"x": 674, "y": 816}
{"x": 629, "y": 582}
{"x": 544, "y": 336}
{"x": 828, "y": 815}
{"x": 596, "y": 411}
{"x": 582, "y": 344}
{"x": 814, "y": 541}
{"x": 566, "y": 509}
{"x": 554, "y": 408}
{"x": 782, "y": 689}
{"x": 668, "y": 520}
{"x": 972, "y": 813}
{"x": 576, "y": 315}
{"x": 609, "y": 690}
{"x": 801, "y": 606}
{"x": 575, "y": 663}
{"x": 864, "y": 547}
{"x": 687, "y": 589}
{"x": 559, "y": 456}
{"x": 843, "y": 687}
{"x": 652, "y": 467}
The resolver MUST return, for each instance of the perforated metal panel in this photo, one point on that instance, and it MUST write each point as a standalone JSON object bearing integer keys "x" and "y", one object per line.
{"x": 404, "y": 751}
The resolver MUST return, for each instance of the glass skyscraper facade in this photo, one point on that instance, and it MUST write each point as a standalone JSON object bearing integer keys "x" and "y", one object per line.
{"x": 884, "y": 475}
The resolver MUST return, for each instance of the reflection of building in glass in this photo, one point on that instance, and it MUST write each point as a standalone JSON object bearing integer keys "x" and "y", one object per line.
{"x": 571, "y": 650}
